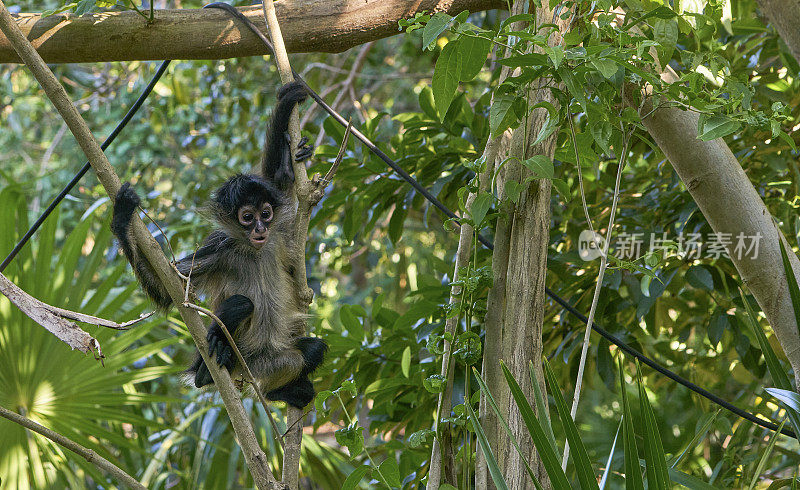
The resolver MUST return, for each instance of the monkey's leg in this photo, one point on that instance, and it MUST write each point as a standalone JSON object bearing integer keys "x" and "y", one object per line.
{"x": 286, "y": 374}
{"x": 233, "y": 311}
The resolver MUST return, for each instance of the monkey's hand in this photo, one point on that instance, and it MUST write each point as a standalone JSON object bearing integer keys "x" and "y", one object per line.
{"x": 218, "y": 345}
{"x": 304, "y": 150}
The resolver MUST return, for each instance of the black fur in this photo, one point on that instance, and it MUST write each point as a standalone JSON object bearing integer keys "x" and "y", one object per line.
{"x": 125, "y": 205}
{"x": 244, "y": 189}
{"x": 276, "y": 163}
{"x": 298, "y": 393}
{"x": 313, "y": 350}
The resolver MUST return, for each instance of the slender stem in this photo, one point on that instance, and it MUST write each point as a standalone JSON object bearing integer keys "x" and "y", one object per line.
{"x": 603, "y": 265}
{"x": 364, "y": 448}
{"x": 250, "y": 378}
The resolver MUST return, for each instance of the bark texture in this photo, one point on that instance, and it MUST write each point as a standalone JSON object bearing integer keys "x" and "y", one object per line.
{"x": 516, "y": 301}
{"x": 328, "y": 26}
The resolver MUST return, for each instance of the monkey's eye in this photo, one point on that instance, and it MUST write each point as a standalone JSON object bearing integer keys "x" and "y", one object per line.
{"x": 266, "y": 213}
{"x": 246, "y": 217}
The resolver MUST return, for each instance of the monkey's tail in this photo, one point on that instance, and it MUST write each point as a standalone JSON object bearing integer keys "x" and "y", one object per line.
{"x": 277, "y": 146}
{"x": 125, "y": 205}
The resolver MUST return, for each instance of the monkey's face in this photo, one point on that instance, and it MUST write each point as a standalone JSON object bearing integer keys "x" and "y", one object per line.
{"x": 256, "y": 220}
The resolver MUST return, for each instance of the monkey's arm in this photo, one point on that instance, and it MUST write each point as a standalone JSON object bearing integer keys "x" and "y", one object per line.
{"x": 233, "y": 311}
{"x": 206, "y": 257}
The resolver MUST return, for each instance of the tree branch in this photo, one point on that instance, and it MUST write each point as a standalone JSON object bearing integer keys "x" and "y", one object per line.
{"x": 253, "y": 454}
{"x": 329, "y": 26}
{"x": 86, "y": 453}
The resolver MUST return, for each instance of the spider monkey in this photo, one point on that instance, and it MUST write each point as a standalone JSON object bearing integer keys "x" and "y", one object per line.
{"x": 244, "y": 269}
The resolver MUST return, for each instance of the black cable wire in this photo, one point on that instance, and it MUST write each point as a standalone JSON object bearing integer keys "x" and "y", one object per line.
{"x": 110, "y": 139}
{"x": 444, "y": 209}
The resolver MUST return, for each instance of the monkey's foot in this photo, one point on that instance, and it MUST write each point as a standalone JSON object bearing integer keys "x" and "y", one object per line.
{"x": 304, "y": 150}
{"x": 298, "y": 393}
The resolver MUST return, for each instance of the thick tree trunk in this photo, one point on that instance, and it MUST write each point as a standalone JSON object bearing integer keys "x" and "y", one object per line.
{"x": 329, "y": 26}
{"x": 516, "y": 301}
{"x": 731, "y": 204}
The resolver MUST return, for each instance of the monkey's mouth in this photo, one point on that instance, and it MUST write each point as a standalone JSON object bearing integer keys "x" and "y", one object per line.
{"x": 258, "y": 241}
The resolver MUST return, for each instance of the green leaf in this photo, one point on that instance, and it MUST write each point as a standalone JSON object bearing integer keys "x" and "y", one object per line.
{"x": 469, "y": 348}
{"x": 689, "y": 481}
{"x": 434, "y": 383}
{"x": 551, "y": 463}
{"x": 480, "y": 206}
{"x": 788, "y": 397}
{"x": 351, "y": 437}
{"x": 350, "y": 322}
{"x": 699, "y": 277}
{"x": 556, "y": 55}
{"x": 579, "y": 456}
{"x": 84, "y": 6}
{"x": 418, "y": 438}
{"x": 530, "y": 59}
{"x": 709, "y": 419}
{"x": 600, "y": 130}
{"x": 513, "y": 190}
{"x": 445, "y": 77}
{"x": 654, "y": 456}
{"x": 501, "y": 418}
{"x": 765, "y": 456}
{"x": 717, "y": 126}
{"x": 434, "y": 28}
{"x": 608, "y": 68}
{"x": 390, "y": 472}
{"x": 473, "y": 52}
{"x": 562, "y": 188}
{"x": 794, "y": 290}
{"x": 541, "y": 166}
{"x": 501, "y": 113}
{"x": 397, "y": 221}
{"x": 405, "y": 363}
{"x": 355, "y": 477}
{"x": 665, "y": 33}
{"x": 491, "y": 462}
{"x": 633, "y": 474}
{"x": 575, "y": 89}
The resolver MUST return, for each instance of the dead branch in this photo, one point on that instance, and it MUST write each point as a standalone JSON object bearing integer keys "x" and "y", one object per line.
{"x": 41, "y": 313}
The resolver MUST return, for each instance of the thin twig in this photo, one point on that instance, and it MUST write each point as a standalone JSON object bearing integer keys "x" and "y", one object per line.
{"x": 93, "y": 320}
{"x": 580, "y": 174}
{"x": 169, "y": 245}
{"x": 603, "y": 265}
{"x": 322, "y": 183}
{"x": 88, "y": 454}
